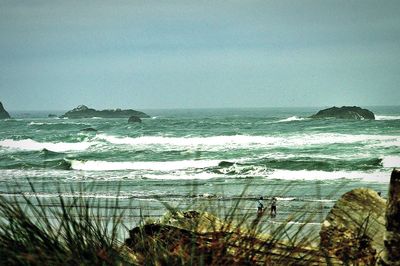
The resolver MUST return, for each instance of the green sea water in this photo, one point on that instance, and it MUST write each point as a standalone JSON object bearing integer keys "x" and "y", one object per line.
{"x": 200, "y": 158}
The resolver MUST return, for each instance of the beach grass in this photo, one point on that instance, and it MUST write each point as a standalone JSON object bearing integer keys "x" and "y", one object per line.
{"x": 86, "y": 231}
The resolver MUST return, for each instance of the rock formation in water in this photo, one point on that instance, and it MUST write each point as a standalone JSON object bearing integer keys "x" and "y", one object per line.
{"x": 3, "y": 113}
{"x": 354, "y": 228}
{"x": 89, "y": 129}
{"x": 345, "y": 112}
{"x": 83, "y": 111}
{"x": 134, "y": 119}
{"x": 52, "y": 116}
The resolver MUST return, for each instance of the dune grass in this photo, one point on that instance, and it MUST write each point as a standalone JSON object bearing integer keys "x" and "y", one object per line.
{"x": 73, "y": 231}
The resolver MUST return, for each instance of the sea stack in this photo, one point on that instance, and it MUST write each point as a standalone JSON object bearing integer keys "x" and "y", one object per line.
{"x": 345, "y": 112}
{"x": 82, "y": 111}
{"x": 3, "y": 113}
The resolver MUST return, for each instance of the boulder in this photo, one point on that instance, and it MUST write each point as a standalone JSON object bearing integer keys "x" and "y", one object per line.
{"x": 82, "y": 111}
{"x": 3, "y": 113}
{"x": 354, "y": 228}
{"x": 345, "y": 112}
{"x": 134, "y": 119}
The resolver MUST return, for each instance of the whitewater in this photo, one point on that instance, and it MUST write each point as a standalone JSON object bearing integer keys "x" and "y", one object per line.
{"x": 200, "y": 157}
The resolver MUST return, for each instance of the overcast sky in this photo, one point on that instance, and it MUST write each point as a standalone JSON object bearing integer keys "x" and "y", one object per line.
{"x": 55, "y": 55}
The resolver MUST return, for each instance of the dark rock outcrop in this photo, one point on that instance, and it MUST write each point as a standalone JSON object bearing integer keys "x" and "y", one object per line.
{"x": 52, "y": 116}
{"x": 225, "y": 164}
{"x": 353, "y": 230}
{"x": 391, "y": 254}
{"x": 134, "y": 119}
{"x": 3, "y": 113}
{"x": 83, "y": 111}
{"x": 345, "y": 112}
{"x": 89, "y": 129}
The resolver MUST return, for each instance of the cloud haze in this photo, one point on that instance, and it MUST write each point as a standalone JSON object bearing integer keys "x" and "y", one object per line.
{"x": 183, "y": 54}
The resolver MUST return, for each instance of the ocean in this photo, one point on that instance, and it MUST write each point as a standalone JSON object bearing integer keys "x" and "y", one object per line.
{"x": 205, "y": 159}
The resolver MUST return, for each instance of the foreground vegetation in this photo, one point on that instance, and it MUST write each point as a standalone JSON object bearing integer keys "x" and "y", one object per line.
{"x": 73, "y": 231}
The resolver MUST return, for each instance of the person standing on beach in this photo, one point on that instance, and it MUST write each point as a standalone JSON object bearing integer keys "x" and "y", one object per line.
{"x": 273, "y": 207}
{"x": 260, "y": 206}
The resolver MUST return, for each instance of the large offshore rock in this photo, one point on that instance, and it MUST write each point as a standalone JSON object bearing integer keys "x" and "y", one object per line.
{"x": 3, "y": 113}
{"x": 82, "y": 111}
{"x": 354, "y": 228}
{"x": 345, "y": 112}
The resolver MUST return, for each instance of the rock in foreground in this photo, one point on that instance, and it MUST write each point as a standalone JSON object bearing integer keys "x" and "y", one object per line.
{"x": 3, "y": 113}
{"x": 345, "y": 112}
{"x": 391, "y": 254}
{"x": 83, "y": 111}
{"x": 193, "y": 238}
{"x": 353, "y": 230}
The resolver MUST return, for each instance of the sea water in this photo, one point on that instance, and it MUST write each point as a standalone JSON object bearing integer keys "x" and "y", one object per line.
{"x": 200, "y": 159}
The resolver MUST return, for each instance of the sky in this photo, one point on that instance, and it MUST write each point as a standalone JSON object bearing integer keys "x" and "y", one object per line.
{"x": 56, "y": 55}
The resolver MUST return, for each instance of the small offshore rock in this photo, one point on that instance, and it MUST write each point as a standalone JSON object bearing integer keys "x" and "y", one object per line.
{"x": 134, "y": 119}
{"x": 225, "y": 164}
{"x": 89, "y": 129}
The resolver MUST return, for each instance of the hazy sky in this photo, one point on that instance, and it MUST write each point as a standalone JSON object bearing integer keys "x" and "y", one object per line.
{"x": 188, "y": 54}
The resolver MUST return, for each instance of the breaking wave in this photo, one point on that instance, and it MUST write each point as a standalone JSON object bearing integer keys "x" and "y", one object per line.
{"x": 153, "y": 166}
{"x": 32, "y": 145}
{"x": 244, "y": 141}
{"x": 387, "y": 117}
{"x": 391, "y": 161}
{"x": 292, "y": 118}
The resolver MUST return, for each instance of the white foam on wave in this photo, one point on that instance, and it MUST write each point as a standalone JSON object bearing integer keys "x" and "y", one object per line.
{"x": 391, "y": 161}
{"x": 152, "y": 166}
{"x": 73, "y": 195}
{"x": 243, "y": 141}
{"x": 387, "y": 117}
{"x": 285, "y": 199}
{"x": 376, "y": 176}
{"x": 56, "y": 123}
{"x": 32, "y": 145}
{"x": 183, "y": 176}
{"x": 292, "y": 118}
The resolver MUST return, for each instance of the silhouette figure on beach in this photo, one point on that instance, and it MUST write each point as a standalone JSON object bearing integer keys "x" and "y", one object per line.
{"x": 260, "y": 206}
{"x": 273, "y": 207}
